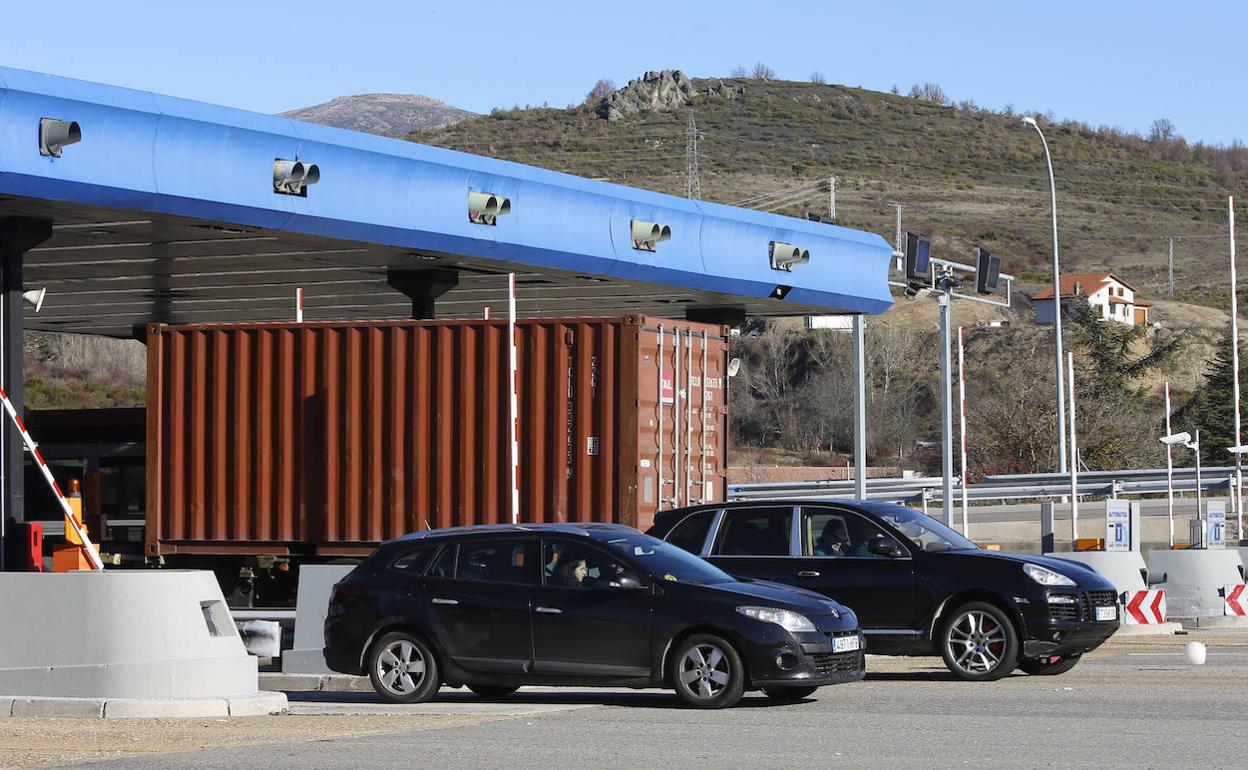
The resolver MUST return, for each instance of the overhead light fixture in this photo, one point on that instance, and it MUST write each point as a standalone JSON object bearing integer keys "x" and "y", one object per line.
{"x": 1183, "y": 438}
{"x": 648, "y": 235}
{"x": 34, "y": 297}
{"x": 785, "y": 255}
{"x": 55, "y": 134}
{"x": 484, "y": 208}
{"x": 292, "y": 177}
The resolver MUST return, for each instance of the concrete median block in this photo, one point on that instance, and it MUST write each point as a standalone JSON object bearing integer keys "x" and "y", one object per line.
{"x": 59, "y": 707}
{"x": 131, "y": 708}
{"x": 260, "y": 704}
{"x": 6, "y": 707}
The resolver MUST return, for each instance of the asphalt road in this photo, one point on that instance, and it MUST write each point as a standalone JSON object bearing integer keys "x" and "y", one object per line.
{"x": 1135, "y": 704}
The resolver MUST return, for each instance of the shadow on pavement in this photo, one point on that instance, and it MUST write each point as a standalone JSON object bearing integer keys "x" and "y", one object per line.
{"x": 573, "y": 696}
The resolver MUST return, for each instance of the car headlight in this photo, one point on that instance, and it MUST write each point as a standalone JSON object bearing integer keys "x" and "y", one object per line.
{"x": 1046, "y": 577}
{"x": 786, "y": 619}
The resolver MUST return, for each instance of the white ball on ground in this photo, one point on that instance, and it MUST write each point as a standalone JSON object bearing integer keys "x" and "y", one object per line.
{"x": 1195, "y": 652}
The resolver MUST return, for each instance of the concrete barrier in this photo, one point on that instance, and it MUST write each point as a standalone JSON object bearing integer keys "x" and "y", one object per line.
{"x": 122, "y": 635}
{"x": 1194, "y": 582}
{"x": 316, "y": 581}
{"x": 1122, "y": 568}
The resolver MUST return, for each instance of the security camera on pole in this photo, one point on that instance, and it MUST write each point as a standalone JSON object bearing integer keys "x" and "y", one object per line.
{"x": 925, "y": 273}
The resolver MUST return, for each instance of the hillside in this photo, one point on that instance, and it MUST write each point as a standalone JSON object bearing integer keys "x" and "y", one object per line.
{"x": 967, "y": 176}
{"x": 385, "y": 114}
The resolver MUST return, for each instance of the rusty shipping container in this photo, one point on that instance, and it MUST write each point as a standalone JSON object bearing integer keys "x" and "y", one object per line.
{"x": 326, "y": 438}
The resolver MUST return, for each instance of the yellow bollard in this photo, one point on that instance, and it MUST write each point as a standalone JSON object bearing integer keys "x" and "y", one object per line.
{"x": 75, "y": 504}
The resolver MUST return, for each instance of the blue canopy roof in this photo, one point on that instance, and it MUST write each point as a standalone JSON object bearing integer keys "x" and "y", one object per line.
{"x": 148, "y": 161}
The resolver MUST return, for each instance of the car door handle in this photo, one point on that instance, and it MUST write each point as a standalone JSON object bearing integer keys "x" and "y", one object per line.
{"x": 549, "y": 610}
{"x": 808, "y": 573}
{"x": 445, "y": 601}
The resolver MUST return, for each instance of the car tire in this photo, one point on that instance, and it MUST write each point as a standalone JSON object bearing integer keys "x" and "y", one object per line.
{"x": 402, "y": 668}
{"x": 492, "y": 691}
{"x": 1046, "y": 667}
{"x": 978, "y": 642}
{"x": 707, "y": 672}
{"x": 786, "y": 694}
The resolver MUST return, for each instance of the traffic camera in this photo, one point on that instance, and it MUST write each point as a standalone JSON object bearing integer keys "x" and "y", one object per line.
{"x": 648, "y": 235}
{"x": 55, "y": 134}
{"x": 785, "y": 255}
{"x": 484, "y": 208}
{"x": 292, "y": 177}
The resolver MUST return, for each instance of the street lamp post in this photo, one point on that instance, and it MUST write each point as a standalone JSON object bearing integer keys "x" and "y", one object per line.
{"x": 1057, "y": 308}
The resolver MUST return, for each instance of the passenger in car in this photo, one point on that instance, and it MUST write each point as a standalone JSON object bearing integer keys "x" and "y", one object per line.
{"x": 833, "y": 540}
{"x": 574, "y": 573}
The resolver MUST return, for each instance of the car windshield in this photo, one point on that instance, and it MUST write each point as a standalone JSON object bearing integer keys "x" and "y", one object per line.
{"x": 667, "y": 562}
{"x": 922, "y": 530}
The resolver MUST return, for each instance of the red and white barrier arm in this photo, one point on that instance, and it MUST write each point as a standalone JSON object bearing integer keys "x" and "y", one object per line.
{"x": 93, "y": 555}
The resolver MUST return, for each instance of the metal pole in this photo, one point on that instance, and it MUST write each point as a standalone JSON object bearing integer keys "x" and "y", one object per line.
{"x": 1170, "y": 270}
{"x": 1169, "y": 471}
{"x": 1057, "y": 307}
{"x": 946, "y": 405}
{"x": 966, "y": 532}
{"x": 1074, "y": 458}
{"x": 1196, "y": 448}
{"x": 514, "y": 416}
{"x": 860, "y": 408}
{"x": 1239, "y": 474}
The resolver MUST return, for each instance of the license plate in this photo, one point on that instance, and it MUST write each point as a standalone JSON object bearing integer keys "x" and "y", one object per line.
{"x": 1106, "y": 613}
{"x": 844, "y": 643}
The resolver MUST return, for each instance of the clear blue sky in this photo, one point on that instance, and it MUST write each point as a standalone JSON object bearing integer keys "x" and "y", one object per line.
{"x": 1101, "y": 61}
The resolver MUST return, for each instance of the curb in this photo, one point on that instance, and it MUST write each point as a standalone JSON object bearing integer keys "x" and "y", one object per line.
{"x": 1150, "y": 629}
{"x": 258, "y": 704}
{"x": 1214, "y": 621}
{"x": 314, "y": 682}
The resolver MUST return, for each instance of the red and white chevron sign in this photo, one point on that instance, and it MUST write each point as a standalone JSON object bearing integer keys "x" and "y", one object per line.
{"x": 1236, "y": 600}
{"x": 1144, "y": 608}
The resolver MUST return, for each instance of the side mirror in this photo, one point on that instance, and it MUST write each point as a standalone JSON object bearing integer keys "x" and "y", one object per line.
{"x": 882, "y": 546}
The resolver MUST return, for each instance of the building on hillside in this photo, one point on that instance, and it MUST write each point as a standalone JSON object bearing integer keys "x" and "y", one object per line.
{"x": 1110, "y": 296}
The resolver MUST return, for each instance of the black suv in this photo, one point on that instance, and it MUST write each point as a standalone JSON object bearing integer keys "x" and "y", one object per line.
{"x": 918, "y": 587}
{"x": 497, "y": 607}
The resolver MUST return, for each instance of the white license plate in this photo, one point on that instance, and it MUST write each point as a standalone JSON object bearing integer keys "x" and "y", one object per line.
{"x": 1106, "y": 613}
{"x": 844, "y": 643}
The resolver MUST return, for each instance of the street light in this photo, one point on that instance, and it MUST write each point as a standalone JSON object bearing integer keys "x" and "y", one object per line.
{"x": 1186, "y": 440}
{"x": 1057, "y": 307}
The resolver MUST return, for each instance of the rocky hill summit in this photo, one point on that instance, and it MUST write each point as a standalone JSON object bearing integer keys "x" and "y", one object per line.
{"x": 384, "y": 114}
{"x": 660, "y": 92}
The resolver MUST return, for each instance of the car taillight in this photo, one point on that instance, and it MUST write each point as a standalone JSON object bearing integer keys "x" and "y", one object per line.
{"x": 343, "y": 592}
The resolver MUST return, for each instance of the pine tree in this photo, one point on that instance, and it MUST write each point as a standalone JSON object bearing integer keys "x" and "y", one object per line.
{"x": 1212, "y": 407}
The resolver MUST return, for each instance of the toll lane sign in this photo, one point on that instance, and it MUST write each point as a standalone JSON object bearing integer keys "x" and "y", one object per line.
{"x": 1117, "y": 525}
{"x": 1216, "y": 522}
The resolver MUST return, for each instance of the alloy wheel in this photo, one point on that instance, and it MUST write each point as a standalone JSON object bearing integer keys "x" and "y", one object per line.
{"x": 976, "y": 642}
{"x": 401, "y": 668}
{"x": 704, "y": 671}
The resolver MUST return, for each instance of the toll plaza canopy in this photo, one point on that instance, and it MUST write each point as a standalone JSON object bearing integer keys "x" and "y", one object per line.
{"x": 167, "y": 210}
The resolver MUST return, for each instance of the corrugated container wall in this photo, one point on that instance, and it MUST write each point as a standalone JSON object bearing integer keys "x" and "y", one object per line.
{"x": 328, "y": 437}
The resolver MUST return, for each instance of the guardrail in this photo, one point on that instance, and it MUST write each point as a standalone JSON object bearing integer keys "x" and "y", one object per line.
{"x": 927, "y": 489}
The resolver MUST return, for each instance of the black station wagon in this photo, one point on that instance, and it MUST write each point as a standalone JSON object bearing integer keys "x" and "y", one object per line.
{"x": 917, "y": 586}
{"x": 498, "y": 607}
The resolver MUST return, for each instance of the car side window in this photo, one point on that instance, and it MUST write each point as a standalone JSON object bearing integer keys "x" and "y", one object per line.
{"x": 495, "y": 561}
{"x": 836, "y": 533}
{"x": 444, "y": 565}
{"x": 690, "y": 533}
{"x": 573, "y": 565}
{"x": 413, "y": 561}
{"x": 755, "y": 532}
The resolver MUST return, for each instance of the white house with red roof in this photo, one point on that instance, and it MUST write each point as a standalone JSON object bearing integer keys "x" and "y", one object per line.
{"x": 1110, "y": 296}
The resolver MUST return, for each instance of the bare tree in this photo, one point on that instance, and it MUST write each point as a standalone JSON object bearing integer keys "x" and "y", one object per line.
{"x": 1162, "y": 130}
{"x": 739, "y": 72}
{"x": 817, "y": 77}
{"x": 601, "y": 90}
{"x": 895, "y": 91}
{"x": 763, "y": 72}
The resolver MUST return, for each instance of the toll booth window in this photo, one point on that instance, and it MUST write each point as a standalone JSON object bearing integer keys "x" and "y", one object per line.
{"x": 755, "y": 532}
{"x": 690, "y": 533}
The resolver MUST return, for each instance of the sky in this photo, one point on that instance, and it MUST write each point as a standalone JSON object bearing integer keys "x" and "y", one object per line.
{"x": 1110, "y": 62}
